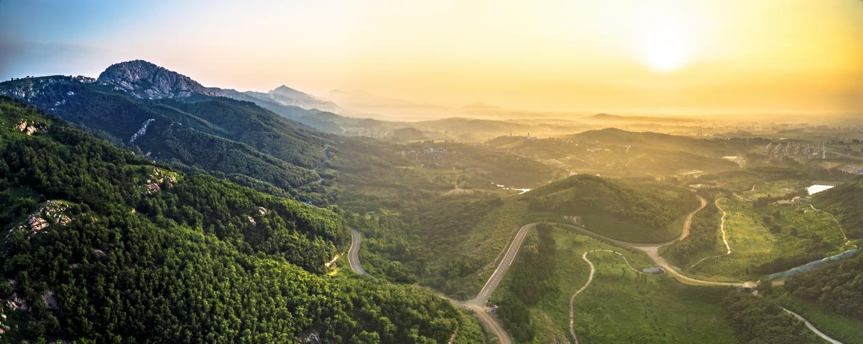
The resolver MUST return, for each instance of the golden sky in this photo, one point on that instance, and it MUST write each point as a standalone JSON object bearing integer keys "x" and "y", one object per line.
{"x": 621, "y": 56}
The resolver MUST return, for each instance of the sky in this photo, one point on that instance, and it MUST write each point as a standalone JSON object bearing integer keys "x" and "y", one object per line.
{"x": 617, "y": 56}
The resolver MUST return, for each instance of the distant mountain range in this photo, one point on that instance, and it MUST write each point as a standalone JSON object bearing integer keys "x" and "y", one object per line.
{"x": 606, "y": 118}
{"x": 287, "y": 96}
{"x": 168, "y": 116}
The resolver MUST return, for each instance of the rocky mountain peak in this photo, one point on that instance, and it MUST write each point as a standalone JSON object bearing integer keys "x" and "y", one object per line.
{"x": 146, "y": 80}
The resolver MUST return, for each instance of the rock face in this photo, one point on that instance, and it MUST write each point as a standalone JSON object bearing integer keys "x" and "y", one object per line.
{"x": 146, "y": 80}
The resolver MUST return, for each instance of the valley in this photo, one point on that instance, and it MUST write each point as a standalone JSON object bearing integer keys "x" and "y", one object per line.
{"x": 602, "y": 235}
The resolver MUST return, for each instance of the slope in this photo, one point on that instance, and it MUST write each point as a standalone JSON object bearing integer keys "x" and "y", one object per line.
{"x": 216, "y": 134}
{"x": 105, "y": 246}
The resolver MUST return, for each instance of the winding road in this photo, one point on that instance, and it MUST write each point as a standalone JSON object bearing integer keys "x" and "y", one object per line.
{"x": 492, "y": 324}
{"x": 589, "y": 280}
{"x": 354, "y": 253}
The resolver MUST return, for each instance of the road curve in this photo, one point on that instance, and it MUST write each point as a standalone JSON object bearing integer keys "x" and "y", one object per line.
{"x": 354, "y": 253}
{"x": 652, "y": 250}
{"x": 724, "y": 236}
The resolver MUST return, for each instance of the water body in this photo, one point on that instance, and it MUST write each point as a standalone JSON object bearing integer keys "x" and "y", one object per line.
{"x": 814, "y": 189}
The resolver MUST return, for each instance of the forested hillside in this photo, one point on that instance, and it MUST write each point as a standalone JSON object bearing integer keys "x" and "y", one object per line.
{"x": 845, "y": 201}
{"x": 99, "y": 245}
{"x": 638, "y": 212}
{"x": 237, "y": 139}
{"x": 837, "y": 286}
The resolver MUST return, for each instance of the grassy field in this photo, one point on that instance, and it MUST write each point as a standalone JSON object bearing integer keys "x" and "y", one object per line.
{"x": 774, "y": 189}
{"x": 753, "y": 244}
{"x": 844, "y": 329}
{"x": 622, "y": 307}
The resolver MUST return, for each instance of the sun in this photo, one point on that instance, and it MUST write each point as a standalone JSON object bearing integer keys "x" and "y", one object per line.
{"x": 665, "y": 52}
{"x": 663, "y": 40}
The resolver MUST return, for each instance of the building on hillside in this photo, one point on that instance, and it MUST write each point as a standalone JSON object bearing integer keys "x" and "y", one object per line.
{"x": 653, "y": 270}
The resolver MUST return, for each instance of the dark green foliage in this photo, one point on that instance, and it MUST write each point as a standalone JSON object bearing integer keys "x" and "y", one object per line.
{"x": 837, "y": 286}
{"x": 816, "y": 247}
{"x": 652, "y": 206}
{"x": 532, "y": 278}
{"x": 702, "y": 234}
{"x": 756, "y": 320}
{"x": 516, "y": 317}
{"x": 195, "y": 261}
{"x": 845, "y": 201}
{"x": 533, "y": 274}
{"x": 217, "y": 135}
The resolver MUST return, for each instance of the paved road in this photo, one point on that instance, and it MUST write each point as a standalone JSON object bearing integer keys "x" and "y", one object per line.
{"x": 501, "y": 269}
{"x": 354, "y": 253}
{"x": 652, "y": 250}
{"x": 846, "y": 156}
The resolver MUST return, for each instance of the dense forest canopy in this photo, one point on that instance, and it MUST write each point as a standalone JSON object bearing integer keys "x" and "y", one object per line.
{"x": 103, "y": 246}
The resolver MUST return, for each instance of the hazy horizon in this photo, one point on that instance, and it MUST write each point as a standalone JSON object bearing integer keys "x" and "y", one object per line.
{"x": 622, "y": 57}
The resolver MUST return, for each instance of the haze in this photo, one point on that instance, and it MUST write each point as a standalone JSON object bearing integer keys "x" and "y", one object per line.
{"x": 620, "y": 56}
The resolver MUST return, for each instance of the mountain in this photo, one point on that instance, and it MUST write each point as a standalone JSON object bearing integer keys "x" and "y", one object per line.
{"x": 716, "y": 147}
{"x": 287, "y": 96}
{"x": 100, "y": 245}
{"x": 184, "y": 123}
{"x": 358, "y": 103}
{"x": 143, "y": 79}
{"x": 604, "y": 117}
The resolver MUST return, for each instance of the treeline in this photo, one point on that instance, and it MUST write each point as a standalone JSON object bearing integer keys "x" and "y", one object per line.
{"x": 195, "y": 259}
{"x": 532, "y": 277}
{"x": 836, "y": 286}
{"x": 702, "y": 234}
{"x": 756, "y": 320}
{"x": 654, "y": 206}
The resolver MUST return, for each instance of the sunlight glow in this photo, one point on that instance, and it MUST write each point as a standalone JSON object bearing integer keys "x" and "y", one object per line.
{"x": 662, "y": 39}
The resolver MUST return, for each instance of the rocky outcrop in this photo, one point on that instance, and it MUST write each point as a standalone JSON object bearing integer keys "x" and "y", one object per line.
{"x": 52, "y": 212}
{"x": 158, "y": 179}
{"x": 27, "y": 128}
{"x": 149, "y": 81}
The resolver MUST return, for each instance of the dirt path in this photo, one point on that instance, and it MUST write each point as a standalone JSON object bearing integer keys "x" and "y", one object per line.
{"x": 589, "y": 280}
{"x": 844, "y": 236}
{"x": 572, "y": 298}
{"x": 724, "y": 236}
{"x": 652, "y": 251}
{"x": 812, "y": 328}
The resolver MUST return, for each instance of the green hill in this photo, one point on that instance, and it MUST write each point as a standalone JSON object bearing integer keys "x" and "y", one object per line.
{"x": 236, "y": 139}
{"x": 640, "y": 211}
{"x": 845, "y": 201}
{"x": 99, "y": 245}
